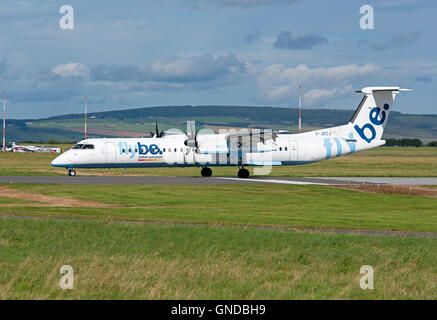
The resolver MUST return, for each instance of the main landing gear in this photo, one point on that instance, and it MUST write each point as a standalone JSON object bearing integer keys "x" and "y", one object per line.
{"x": 206, "y": 172}
{"x": 71, "y": 172}
{"x": 243, "y": 173}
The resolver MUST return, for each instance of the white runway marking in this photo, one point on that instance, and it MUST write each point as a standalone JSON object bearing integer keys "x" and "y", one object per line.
{"x": 386, "y": 180}
{"x": 275, "y": 181}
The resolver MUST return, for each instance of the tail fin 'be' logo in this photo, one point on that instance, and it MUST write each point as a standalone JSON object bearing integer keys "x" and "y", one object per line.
{"x": 373, "y": 117}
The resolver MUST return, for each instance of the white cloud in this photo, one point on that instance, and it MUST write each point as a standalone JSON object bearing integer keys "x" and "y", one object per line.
{"x": 317, "y": 95}
{"x": 253, "y": 2}
{"x": 241, "y": 3}
{"x": 277, "y": 83}
{"x": 203, "y": 68}
{"x": 72, "y": 69}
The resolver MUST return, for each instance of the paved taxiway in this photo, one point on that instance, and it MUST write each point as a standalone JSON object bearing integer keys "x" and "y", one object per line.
{"x": 213, "y": 180}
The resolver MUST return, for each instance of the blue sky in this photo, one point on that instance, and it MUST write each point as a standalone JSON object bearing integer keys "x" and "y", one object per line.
{"x": 129, "y": 54}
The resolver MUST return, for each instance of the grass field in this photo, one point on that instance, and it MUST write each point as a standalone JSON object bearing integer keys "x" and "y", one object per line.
{"x": 382, "y": 162}
{"x": 128, "y": 261}
{"x": 260, "y": 205}
{"x": 218, "y": 241}
{"x": 208, "y": 257}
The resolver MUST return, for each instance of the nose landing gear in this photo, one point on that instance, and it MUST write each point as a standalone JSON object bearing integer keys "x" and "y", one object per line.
{"x": 243, "y": 173}
{"x": 71, "y": 172}
{"x": 206, "y": 172}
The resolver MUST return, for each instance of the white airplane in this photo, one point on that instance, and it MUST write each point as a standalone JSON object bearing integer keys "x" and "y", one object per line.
{"x": 20, "y": 148}
{"x": 239, "y": 148}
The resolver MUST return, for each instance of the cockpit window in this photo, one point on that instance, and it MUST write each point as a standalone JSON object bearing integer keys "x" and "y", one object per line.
{"x": 83, "y": 146}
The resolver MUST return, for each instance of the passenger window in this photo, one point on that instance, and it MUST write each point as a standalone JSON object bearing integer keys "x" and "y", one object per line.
{"x": 136, "y": 150}
{"x": 169, "y": 149}
{"x": 174, "y": 149}
{"x": 286, "y": 149}
{"x": 130, "y": 150}
{"x": 163, "y": 150}
{"x": 123, "y": 150}
{"x": 280, "y": 148}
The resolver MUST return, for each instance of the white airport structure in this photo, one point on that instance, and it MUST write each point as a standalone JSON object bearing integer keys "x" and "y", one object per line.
{"x": 240, "y": 148}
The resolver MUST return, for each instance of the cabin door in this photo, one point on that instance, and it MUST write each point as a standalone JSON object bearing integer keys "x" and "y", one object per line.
{"x": 292, "y": 146}
{"x": 110, "y": 152}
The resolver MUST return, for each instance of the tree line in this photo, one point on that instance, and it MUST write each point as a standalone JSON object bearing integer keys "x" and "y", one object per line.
{"x": 408, "y": 143}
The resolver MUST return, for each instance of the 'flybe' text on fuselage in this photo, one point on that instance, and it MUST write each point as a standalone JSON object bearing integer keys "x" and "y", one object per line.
{"x": 141, "y": 149}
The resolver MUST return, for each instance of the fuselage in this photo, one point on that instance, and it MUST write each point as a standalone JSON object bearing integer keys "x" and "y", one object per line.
{"x": 213, "y": 150}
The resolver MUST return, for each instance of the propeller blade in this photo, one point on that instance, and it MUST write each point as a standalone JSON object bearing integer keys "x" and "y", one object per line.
{"x": 191, "y": 135}
{"x": 191, "y": 125}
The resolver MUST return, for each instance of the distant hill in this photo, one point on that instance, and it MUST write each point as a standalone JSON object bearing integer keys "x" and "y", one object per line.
{"x": 137, "y": 122}
{"x": 255, "y": 114}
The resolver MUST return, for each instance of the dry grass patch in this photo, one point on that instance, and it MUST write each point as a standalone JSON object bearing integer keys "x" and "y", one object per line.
{"x": 393, "y": 189}
{"x": 42, "y": 200}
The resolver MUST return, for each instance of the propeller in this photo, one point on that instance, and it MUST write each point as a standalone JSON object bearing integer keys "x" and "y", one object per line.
{"x": 157, "y": 133}
{"x": 191, "y": 134}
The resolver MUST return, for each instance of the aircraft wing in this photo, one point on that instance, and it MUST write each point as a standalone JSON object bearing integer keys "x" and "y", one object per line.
{"x": 255, "y": 140}
{"x": 261, "y": 135}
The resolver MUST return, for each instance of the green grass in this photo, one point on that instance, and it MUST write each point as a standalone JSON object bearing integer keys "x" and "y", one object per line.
{"x": 134, "y": 261}
{"x": 13, "y": 201}
{"x": 379, "y": 162}
{"x": 210, "y": 259}
{"x": 261, "y": 205}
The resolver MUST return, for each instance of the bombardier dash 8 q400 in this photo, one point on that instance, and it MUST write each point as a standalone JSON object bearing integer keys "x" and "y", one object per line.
{"x": 240, "y": 148}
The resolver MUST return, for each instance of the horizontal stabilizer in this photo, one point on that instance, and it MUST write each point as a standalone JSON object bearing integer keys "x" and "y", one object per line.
{"x": 370, "y": 90}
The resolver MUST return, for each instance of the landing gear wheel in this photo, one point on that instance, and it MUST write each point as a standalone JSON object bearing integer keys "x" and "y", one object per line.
{"x": 206, "y": 172}
{"x": 243, "y": 173}
{"x": 71, "y": 172}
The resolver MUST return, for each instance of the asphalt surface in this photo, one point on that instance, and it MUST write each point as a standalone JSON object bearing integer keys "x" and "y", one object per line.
{"x": 213, "y": 180}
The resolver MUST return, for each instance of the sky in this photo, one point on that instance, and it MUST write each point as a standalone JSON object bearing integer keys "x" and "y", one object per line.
{"x": 137, "y": 53}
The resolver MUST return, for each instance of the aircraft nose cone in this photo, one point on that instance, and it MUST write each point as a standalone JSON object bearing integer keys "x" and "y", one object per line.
{"x": 57, "y": 161}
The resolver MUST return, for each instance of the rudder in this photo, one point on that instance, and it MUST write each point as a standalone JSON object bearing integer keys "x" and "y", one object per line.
{"x": 371, "y": 116}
